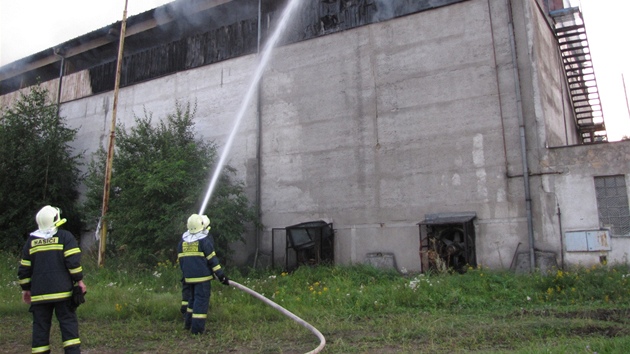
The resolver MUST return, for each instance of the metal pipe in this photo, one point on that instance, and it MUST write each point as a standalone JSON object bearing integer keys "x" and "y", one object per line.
{"x": 258, "y": 145}
{"x": 497, "y": 79}
{"x": 110, "y": 149}
{"x": 301, "y": 322}
{"x": 523, "y": 139}
{"x": 561, "y": 239}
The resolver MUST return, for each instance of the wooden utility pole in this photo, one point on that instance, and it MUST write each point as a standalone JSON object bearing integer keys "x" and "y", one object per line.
{"x": 110, "y": 149}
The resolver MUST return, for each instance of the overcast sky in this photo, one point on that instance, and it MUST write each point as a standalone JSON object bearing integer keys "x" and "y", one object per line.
{"x": 30, "y": 26}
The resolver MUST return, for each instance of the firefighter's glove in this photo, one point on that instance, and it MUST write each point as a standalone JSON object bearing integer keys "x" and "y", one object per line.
{"x": 223, "y": 279}
{"x": 78, "y": 296}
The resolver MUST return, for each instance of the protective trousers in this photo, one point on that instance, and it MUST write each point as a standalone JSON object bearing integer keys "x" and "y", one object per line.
{"x": 68, "y": 323}
{"x": 198, "y": 303}
{"x": 185, "y": 299}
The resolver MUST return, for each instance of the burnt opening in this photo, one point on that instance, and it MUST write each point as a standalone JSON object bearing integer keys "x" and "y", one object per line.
{"x": 189, "y": 38}
{"x": 449, "y": 242}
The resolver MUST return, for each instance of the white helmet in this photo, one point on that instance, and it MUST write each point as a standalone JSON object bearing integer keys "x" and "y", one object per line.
{"x": 48, "y": 218}
{"x": 206, "y": 222}
{"x": 195, "y": 223}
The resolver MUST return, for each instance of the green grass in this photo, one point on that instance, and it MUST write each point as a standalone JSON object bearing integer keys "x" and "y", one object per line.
{"x": 358, "y": 309}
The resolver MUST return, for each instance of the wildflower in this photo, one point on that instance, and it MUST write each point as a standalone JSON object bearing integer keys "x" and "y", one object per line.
{"x": 272, "y": 277}
{"x": 529, "y": 298}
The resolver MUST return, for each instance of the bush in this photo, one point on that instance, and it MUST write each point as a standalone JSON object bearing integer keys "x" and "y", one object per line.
{"x": 159, "y": 175}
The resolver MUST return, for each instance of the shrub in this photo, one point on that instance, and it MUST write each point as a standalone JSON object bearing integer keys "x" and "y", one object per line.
{"x": 159, "y": 174}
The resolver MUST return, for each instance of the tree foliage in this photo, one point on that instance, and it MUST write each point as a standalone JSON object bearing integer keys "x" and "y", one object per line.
{"x": 37, "y": 167}
{"x": 159, "y": 176}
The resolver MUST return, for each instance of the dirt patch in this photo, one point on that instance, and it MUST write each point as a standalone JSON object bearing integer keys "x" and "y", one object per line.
{"x": 607, "y": 315}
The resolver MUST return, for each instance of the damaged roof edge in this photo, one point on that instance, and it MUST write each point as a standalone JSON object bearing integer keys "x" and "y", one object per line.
{"x": 105, "y": 35}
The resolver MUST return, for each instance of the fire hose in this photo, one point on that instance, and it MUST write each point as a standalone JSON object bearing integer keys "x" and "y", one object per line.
{"x": 322, "y": 340}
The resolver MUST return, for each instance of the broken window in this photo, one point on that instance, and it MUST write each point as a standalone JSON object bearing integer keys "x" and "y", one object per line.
{"x": 612, "y": 204}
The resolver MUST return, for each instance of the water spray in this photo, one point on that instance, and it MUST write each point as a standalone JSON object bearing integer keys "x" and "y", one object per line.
{"x": 266, "y": 54}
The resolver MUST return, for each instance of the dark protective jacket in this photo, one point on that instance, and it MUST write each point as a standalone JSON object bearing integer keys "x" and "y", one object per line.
{"x": 50, "y": 266}
{"x": 198, "y": 260}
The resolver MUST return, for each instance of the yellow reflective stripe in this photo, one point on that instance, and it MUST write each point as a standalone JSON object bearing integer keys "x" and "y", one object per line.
{"x": 198, "y": 280}
{"x": 216, "y": 268}
{"x": 189, "y": 254}
{"x": 184, "y": 303}
{"x": 24, "y": 281}
{"x": 25, "y": 262}
{"x": 40, "y": 349}
{"x": 213, "y": 254}
{"x": 56, "y": 296}
{"x": 199, "y": 315}
{"x": 45, "y": 248}
{"x": 71, "y": 342}
{"x": 76, "y": 270}
{"x": 72, "y": 251}
{"x": 189, "y": 310}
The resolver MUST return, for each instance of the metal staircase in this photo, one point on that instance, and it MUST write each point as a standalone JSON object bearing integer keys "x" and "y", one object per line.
{"x": 580, "y": 75}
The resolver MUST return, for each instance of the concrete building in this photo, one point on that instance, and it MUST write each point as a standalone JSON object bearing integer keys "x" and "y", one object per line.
{"x": 427, "y": 133}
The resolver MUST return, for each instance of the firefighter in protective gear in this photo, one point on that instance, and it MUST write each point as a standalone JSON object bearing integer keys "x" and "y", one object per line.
{"x": 205, "y": 221}
{"x": 199, "y": 264}
{"x": 49, "y": 268}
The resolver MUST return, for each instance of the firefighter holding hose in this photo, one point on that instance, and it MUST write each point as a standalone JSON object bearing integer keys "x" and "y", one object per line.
{"x": 199, "y": 264}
